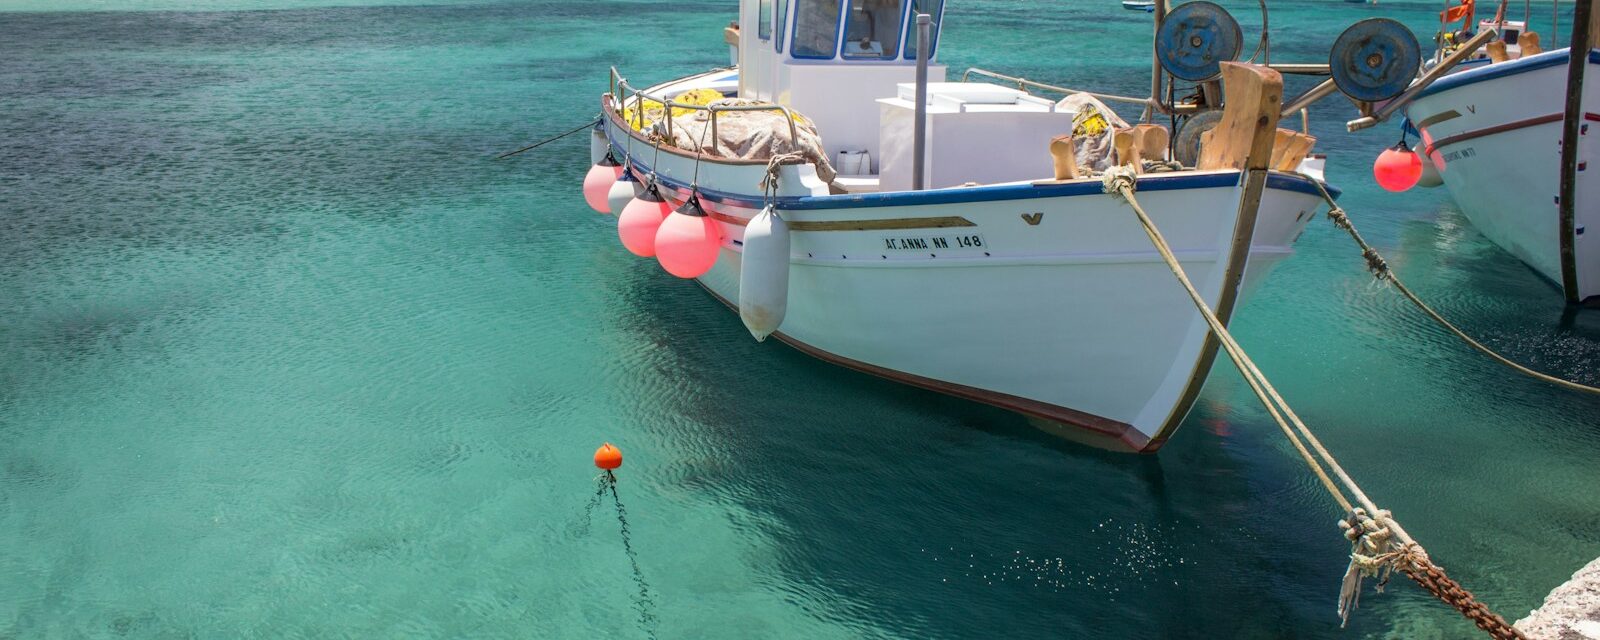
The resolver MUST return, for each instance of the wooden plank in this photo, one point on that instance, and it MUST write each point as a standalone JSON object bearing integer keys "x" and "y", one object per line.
{"x": 1253, "y": 96}
{"x": 1289, "y": 148}
{"x": 1065, "y": 157}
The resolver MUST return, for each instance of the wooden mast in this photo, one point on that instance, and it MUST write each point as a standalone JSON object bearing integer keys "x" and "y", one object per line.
{"x": 1583, "y": 32}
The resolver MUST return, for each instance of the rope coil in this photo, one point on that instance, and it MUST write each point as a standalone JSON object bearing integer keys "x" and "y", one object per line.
{"x": 1379, "y": 545}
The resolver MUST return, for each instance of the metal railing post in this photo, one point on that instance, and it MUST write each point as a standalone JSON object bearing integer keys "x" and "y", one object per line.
{"x": 919, "y": 145}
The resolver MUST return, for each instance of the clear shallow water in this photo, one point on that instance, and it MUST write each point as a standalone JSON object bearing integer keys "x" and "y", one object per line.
{"x": 283, "y": 354}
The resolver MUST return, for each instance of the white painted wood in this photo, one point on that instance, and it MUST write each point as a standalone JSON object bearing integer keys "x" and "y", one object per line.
{"x": 1506, "y": 183}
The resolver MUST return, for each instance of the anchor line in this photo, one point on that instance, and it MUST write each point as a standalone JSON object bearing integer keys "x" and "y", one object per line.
{"x": 545, "y": 141}
{"x": 594, "y": 503}
{"x": 1379, "y": 545}
{"x": 1380, "y": 270}
{"x": 644, "y": 603}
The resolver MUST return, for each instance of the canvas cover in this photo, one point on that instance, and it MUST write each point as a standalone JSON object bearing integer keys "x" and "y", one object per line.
{"x": 750, "y": 135}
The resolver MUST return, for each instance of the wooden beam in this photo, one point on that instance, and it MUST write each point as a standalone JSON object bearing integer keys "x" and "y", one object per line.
{"x": 1572, "y": 120}
{"x": 1290, "y": 148}
{"x": 1252, "y": 97}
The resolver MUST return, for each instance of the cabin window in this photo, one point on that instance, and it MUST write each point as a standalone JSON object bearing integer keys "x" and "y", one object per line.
{"x": 764, "y": 20}
{"x": 872, "y": 29}
{"x": 782, "y": 26}
{"x": 933, "y": 8}
{"x": 816, "y": 29}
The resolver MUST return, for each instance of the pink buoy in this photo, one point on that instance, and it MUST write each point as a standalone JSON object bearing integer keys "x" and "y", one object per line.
{"x": 639, "y": 220}
{"x": 688, "y": 242}
{"x": 1397, "y": 168}
{"x": 597, "y": 183}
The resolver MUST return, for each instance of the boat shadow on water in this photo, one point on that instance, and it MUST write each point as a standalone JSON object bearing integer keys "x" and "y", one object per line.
{"x": 880, "y": 504}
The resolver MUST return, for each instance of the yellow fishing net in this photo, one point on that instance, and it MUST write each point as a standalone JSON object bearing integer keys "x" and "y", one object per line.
{"x": 651, "y": 113}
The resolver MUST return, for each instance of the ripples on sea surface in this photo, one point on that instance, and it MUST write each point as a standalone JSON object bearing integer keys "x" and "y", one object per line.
{"x": 283, "y": 354}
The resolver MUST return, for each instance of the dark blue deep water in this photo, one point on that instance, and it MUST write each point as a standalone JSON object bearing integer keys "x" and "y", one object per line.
{"x": 283, "y": 353}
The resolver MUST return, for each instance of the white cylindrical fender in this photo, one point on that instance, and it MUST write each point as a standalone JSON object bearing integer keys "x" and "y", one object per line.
{"x": 764, "y": 274}
{"x": 598, "y": 146}
{"x": 1430, "y": 173}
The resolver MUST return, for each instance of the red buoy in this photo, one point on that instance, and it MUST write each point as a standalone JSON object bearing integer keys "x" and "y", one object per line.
{"x": 1397, "y": 168}
{"x": 607, "y": 457}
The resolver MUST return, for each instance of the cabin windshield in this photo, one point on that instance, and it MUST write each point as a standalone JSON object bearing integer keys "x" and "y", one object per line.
{"x": 872, "y": 29}
{"x": 783, "y": 25}
{"x": 816, "y": 29}
{"x": 933, "y": 8}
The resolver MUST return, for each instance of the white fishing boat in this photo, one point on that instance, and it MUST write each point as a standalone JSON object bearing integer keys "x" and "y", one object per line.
{"x": 1492, "y": 133}
{"x": 1147, "y": 6}
{"x": 981, "y": 259}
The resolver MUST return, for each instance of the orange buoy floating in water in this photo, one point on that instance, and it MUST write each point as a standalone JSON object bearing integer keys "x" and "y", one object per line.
{"x": 607, "y": 457}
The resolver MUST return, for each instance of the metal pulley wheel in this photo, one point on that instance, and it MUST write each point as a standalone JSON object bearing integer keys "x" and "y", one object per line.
{"x": 1186, "y": 146}
{"x": 1195, "y": 39}
{"x": 1375, "y": 60}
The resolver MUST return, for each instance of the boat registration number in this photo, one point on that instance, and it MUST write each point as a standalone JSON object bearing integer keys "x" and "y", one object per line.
{"x": 934, "y": 243}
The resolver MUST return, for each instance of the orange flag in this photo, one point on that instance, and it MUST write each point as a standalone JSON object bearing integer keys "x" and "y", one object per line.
{"x": 1458, "y": 12}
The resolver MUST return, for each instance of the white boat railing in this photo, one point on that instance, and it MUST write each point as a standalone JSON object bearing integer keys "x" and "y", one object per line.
{"x": 620, "y": 89}
{"x": 1024, "y": 84}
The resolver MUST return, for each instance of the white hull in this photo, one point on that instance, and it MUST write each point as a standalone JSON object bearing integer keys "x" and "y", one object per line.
{"x": 1043, "y": 298}
{"x": 1494, "y": 133}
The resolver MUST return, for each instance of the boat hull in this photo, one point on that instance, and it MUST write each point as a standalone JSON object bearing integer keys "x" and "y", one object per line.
{"x": 1494, "y": 134}
{"x": 1045, "y": 298}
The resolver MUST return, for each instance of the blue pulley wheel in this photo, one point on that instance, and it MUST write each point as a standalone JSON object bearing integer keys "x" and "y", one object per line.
{"x": 1194, "y": 40}
{"x": 1375, "y": 59}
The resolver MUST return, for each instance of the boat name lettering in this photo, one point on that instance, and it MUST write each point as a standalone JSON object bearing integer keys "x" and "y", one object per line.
{"x": 933, "y": 243}
{"x": 1459, "y": 154}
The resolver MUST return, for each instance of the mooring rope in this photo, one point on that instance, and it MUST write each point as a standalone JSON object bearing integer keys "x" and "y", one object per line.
{"x": 551, "y": 139}
{"x": 1379, "y": 544}
{"x": 1380, "y": 270}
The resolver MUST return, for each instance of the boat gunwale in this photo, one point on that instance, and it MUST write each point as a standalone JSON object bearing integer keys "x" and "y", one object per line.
{"x": 1500, "y": 70}
{"x": 1184, "y": 179}
{"x": 986, "y": 193}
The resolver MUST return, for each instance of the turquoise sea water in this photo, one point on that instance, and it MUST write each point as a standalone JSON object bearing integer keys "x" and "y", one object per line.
{"x": 284, "y": 354}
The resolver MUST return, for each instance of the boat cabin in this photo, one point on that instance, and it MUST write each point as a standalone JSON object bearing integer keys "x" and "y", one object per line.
{"x": 850, "y": 67}
{"x": 831, "y": 60}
